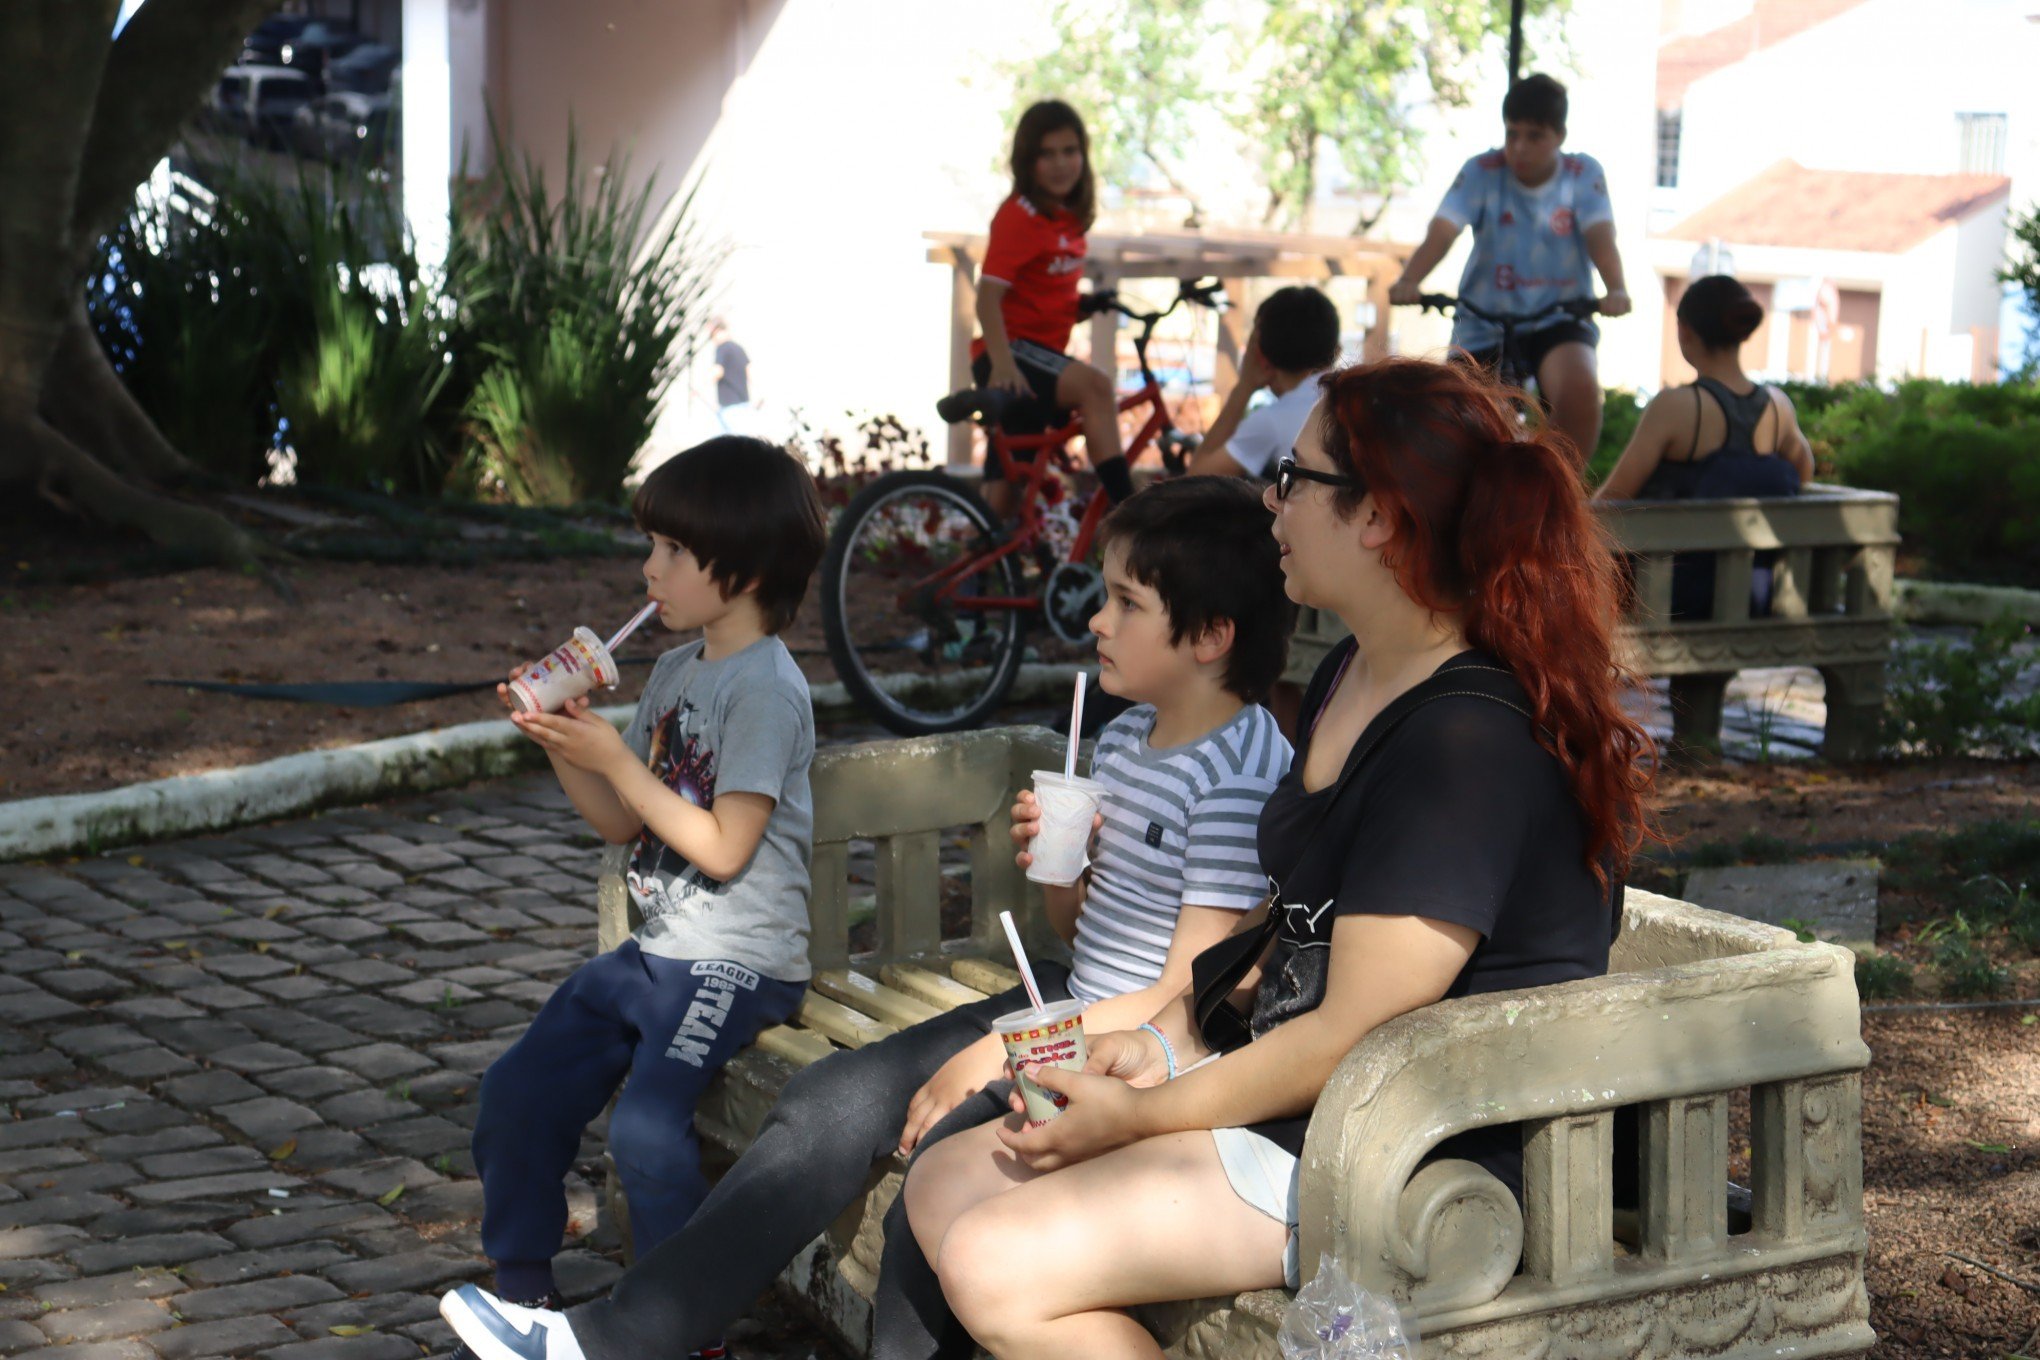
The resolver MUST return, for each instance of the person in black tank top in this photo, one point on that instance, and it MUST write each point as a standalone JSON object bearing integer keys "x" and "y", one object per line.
{"x": 1427, "y": 843}
{"x": 1750, "y": 431}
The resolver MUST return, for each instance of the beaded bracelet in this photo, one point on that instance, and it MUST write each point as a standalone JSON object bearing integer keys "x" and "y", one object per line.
{"x": 1168, "y": 1049}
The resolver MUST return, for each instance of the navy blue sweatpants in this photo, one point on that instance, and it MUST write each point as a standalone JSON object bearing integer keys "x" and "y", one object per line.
{"x": 669, "y": 1024}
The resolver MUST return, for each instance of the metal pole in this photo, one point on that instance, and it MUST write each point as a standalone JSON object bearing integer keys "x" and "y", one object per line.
{"x": 1515, "y": 41}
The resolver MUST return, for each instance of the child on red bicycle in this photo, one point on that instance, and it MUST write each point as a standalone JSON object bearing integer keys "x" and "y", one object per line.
{"x": 1027, "y": 291}
{"x": 1542, "y": 225}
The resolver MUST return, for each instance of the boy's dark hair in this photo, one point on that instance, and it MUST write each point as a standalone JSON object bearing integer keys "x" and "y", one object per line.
{"x": 1536, "y": 99}
{"x": 1299, "y": 329}
{"x": 1720, "y": 311}
{"x": 1203, "y": 544}
{"x": 748, "y": 511}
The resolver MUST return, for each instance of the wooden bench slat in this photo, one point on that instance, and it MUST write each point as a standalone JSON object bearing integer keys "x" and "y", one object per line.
{"x": 798, "y": 1046}
{"x": 988, "y": 977}
{"x": 943, "y": 993}
{"x": 852, "y": 1029}
{"x": 874, "y": 999}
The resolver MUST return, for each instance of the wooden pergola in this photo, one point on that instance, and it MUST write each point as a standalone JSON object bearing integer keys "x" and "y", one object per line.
{"x": 1231, "y": 256}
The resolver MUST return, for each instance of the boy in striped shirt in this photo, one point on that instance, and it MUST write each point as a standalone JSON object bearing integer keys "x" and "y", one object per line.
{"x": 1194, "y": 640}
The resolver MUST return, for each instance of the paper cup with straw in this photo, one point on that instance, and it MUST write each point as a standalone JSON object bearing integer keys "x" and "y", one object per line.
{"x": 579, "y": 664}
{"x": 1068, "y": 804}
{"x": 1043, "y": 1035}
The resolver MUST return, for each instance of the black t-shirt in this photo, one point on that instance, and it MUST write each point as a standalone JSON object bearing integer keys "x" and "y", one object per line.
{"x": 1457, "y": 814}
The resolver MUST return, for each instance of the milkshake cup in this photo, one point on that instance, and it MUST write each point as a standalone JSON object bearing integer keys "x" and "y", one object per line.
{"x": 1062, "y": 848}
{"x": 578, "y": 665}
{"x": 1053, "y": 1037}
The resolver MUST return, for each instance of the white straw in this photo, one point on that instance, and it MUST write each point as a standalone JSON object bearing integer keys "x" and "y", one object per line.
{"x": 1076, "y": 729}
{"x": 1020, "y": 957}
{"x": 651, "y": 608}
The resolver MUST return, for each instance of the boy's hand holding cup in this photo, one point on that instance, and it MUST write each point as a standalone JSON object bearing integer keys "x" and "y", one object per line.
{"x": 1056, "y": 822}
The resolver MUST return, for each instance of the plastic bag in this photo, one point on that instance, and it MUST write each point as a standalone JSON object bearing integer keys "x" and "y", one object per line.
{"x": 1332, "y": 1318}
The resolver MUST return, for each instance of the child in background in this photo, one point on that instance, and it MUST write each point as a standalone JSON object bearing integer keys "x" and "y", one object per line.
{"x": 1027, "y": 300}
{"x": 1542, "y": 225}
{"x": 1295, "y": 338}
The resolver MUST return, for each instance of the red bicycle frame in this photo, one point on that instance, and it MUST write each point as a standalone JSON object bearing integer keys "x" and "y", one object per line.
{"x": 1047, "y": 447}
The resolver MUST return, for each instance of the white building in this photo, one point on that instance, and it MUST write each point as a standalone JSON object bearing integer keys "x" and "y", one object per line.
{"x": 1855, "y": 160}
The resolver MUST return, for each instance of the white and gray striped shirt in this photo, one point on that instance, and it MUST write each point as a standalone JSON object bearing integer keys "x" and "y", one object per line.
{"x": 1179, "y": 832}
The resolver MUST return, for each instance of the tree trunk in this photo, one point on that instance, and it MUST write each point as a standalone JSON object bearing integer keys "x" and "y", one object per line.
{"x": 93, "y": 115}
{"x": 88, "y": 403}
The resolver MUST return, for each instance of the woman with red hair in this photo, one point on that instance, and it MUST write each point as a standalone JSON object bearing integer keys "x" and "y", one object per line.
{"x": 1466, "y": 795}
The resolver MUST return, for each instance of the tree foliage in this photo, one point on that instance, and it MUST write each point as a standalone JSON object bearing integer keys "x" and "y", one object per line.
{"x": 1277, "y": 84}
{"x": 2022, "y": 271}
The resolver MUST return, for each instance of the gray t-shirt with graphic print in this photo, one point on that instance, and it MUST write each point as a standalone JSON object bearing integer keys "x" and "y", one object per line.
{"x": 739, "y": 724}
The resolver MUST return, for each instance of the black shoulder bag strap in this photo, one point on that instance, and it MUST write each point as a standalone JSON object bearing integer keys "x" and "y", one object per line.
{"x": 1216, "y": 973}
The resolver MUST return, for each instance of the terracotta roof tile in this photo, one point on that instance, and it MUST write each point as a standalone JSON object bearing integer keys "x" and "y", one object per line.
{"x": 1684, "y": 60}
{"x": 1790, "y": 205}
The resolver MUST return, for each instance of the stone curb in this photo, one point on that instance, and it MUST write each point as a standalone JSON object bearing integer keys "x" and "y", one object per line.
{"x": 1952, "y": 602}
{"x": 191, "y": 804}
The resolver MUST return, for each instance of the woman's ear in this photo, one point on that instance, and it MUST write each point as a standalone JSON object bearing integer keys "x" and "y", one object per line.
{"x": 1376, "y": 530}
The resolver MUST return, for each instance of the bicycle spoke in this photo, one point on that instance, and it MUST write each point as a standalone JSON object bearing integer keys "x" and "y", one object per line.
{"x": 912, "y": 626}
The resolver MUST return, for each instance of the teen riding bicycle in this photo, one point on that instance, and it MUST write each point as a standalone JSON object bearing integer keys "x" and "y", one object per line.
{"x": 1542, "y": 226}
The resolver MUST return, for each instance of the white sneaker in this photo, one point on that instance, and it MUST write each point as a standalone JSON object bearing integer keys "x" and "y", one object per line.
{"x": 495, "y": 1330}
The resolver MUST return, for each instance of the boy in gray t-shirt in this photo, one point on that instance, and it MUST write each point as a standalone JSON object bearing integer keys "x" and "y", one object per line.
{"x": 710, "y": 789}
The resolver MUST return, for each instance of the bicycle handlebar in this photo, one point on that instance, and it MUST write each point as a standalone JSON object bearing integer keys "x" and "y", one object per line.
{"x": 1441, "y": 302}
{"x": 1187, "y": 290}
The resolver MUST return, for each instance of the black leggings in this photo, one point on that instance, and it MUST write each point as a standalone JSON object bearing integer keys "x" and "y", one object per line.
{"x": 810, "y": 1161}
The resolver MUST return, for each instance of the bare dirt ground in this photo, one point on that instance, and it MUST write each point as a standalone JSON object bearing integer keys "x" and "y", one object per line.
{"x": 79, "y": 658}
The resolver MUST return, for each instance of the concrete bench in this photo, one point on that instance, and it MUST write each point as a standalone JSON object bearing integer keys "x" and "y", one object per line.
{"x": 1700, "y": 1006}
{"x": 1831, "y": 605}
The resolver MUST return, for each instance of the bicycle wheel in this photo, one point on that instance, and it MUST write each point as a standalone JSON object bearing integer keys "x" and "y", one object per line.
{"x": 916, "y": 659}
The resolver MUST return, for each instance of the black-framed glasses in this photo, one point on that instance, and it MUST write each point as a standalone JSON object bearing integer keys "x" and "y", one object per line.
{"x": 1288, "y": 474}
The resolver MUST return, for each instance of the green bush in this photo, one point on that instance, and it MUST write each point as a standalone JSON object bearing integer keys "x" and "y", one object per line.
{"x": 1946, "y": 699}
{"x": 297, "y": 312}
{"x": 252, "y": 320}
{"x": 1880, "y": 977}
{"x": 175, "y": 301}
{"x": 1960, "y": 457}
{"x": 1621, "y": 409}
{"x": 573, "y": 329}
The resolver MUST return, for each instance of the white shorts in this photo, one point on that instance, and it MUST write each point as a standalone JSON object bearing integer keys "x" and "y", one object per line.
{"x": 1264, "y": 1174}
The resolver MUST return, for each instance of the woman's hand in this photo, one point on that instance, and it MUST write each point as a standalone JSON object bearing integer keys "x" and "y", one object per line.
{"x": 576, "y": 736}
{"x": 1101, "y": 1115}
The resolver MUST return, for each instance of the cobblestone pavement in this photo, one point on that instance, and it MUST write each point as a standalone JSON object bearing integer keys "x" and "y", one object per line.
{"x": 240, "y": 1074}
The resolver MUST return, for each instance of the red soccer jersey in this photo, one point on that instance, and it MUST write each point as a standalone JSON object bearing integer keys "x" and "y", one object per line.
{"x": 1040, "y": 257}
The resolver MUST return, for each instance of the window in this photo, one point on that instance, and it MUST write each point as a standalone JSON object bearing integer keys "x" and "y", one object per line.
{"x": 1982, "y": 143}
{"x": 1668, "y": 148}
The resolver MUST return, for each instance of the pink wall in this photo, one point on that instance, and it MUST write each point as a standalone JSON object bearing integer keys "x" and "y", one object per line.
{"x": 649, "y": 76}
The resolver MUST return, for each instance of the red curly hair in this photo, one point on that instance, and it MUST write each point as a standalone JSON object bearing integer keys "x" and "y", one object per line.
{"x": 1491, "y": 522}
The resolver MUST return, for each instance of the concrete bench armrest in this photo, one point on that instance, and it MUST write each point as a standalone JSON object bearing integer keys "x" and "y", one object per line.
{"x": 1561, "y": 1060}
